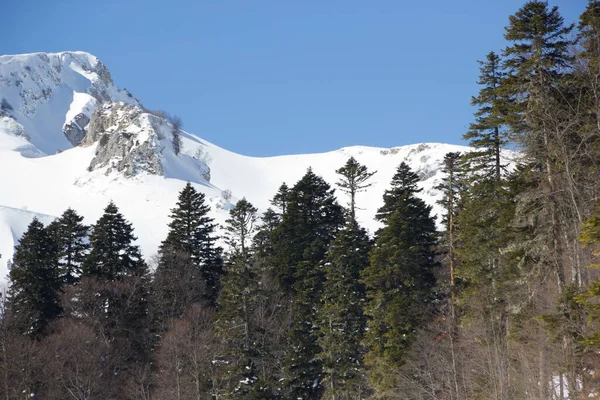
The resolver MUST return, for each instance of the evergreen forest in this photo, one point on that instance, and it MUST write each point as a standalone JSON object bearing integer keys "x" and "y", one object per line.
{"x": 301, "y": 302}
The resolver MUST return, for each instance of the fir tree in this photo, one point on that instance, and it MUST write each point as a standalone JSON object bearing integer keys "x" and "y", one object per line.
{"x": 113, "y": 256}
{"x": 300, "y": 243}
{"x": 280, "y": 198}
{"x": 71, "y": 238}
{"x": 341, "y": 317}
{"x": 114, "y": 286}
{"x": 399, "y": 278}
{"x": 191, "y": 231}
{"x": 262, "y": 239}
{"x": 535, "y": 62}
{"x": 488, "y": 133}
{"x": 34, "y": 281}
{"x": 451, "y": 186}
{"x": 237, "y": 306}
{"x": 311, "y": 219}
{"x": 354, "y": 177}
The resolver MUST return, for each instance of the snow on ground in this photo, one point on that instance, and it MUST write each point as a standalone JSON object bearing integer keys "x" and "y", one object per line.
{"x": 42, "y": 174}
{"x": 48, "y": 185}
{"x": 41, "y": 88}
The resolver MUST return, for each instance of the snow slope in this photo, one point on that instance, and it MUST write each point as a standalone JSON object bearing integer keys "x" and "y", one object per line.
{"x": 127, "y": 156}
{"x": 46, "y": 91}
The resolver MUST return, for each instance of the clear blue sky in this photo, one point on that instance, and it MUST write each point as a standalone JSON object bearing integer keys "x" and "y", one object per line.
{"x": 279, "y": 77}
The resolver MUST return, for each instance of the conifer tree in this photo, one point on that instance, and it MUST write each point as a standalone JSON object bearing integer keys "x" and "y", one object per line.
{"x": 34, "y": 281}
{"x": 341, "y": 317}
{"x": 113, "y": 256}
{"x": 300, "y": 243}
{"x": 262, "y": 239}
{"x": 71, "y": 237}
{"x": 535, "y": 62}
{"x": 399, "y": 278}
{"x": 280, "y": 198}
{"x": 311, "y": 219}
{"x": 354, "y": 177}
{"x": 488, "y": 133}
{"x": 191, "y": 231}
{"x": 237, "y": 305}
{"x": 115, "y": 285}
{"x": 451, "y": 186}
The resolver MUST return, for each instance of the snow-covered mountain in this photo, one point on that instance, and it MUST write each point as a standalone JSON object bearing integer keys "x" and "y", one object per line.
{"x": 70, "y": 138}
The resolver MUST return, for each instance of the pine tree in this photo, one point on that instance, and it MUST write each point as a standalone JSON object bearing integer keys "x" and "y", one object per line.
{"x": 341, "y": 317}
{"x": 34, "y": 281}
{"x": 311, "y": 219}
{"x": 399, "y": 278}
{"x": 451, "y": 186}
{"x": 237, "y": 306}
{"x": 71, "y": 237}
{"x": 300, "y": 243}
{"x": 113, "y": 256}
{"x": 114, "y": 287}
{"x": 191, "y": 231}
{"x": 280, "y": 198}
{"x": 354, "y": 177}
{"x": 488, "y": 133}
{"x": 537, "y": 59}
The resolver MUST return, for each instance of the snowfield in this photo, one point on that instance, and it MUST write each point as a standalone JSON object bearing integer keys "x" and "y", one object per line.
{"x": 42, "y": 173}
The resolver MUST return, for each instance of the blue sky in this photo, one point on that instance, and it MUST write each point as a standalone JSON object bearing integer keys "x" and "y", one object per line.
{"x": 280, "y": 77}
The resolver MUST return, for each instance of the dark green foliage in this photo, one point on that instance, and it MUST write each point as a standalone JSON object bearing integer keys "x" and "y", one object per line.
{"x": 113, "y": 255}
{"x": 589, "y": 34}
{"x": 300, "y": 243}
{"x": 240, "y": 228}
{"x": 191, "y": 230}
{"x": 452, "y": 185}
{"x": 34, "y": 281}
{"x": 262, "y": 239}
{"x": 404, "y": 182}
{"x": 280, "y": 198}
{"x": 341, "y": 317}
{"x": 311, "y": 219}
{"x": 488, "y": 133}
{"x": 538, "y": 57}
{"x": 71, "y": 238}
{"x": 238, "y": 302}
{"x": 399, "y": 279}
{"x": 353, "y": 180}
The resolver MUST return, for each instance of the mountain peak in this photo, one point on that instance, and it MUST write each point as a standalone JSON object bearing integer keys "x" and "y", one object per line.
{"x": 53, "y": 95}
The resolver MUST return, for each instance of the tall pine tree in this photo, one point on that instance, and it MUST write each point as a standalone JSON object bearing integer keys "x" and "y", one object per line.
{"x": 113, "y": 256}
{"x": 238, "y": 300}
{"x": 33, "y": 296}
{"x": 354, "y": 177}
{"x": 341, "y": 317}
{"x": 300, "y": 243}
{"x": 488, "y": 133}
{"x": 71, "y": 237}
{"x": 192, "y": 233}
{"x": 399, "y": 279}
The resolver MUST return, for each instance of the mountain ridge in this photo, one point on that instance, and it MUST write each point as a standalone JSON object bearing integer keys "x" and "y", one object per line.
{"x": 129, "y": 158}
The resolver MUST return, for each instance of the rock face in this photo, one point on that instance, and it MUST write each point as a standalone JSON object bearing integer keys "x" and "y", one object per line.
{"x": 75, "y": 130}
{"x": 53, "y": 95}
{"x": 128, "y": 140}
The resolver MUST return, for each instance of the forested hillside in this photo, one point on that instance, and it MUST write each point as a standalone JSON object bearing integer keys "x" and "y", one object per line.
{"x": 302, "y": 303}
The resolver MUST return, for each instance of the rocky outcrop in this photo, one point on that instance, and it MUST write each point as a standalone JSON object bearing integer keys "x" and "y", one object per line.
{"x": 75, "y": 130}
{"x": 127, "y": 141}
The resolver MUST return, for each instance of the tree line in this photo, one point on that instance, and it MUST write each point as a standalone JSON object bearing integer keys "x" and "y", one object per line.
{"x": 303, "y": 304}
{"x": 300, "y": 305}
